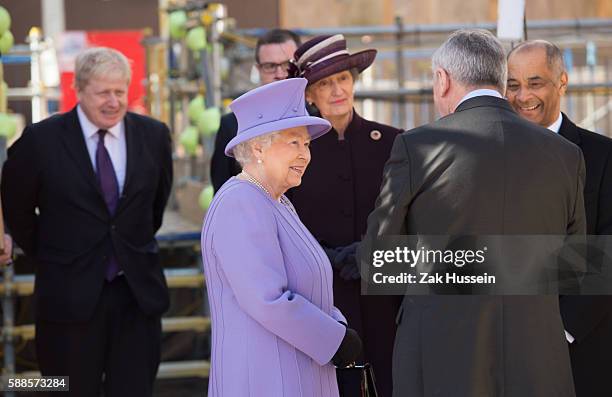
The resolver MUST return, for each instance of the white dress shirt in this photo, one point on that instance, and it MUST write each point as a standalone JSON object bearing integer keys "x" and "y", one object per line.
{"x": 114, "y": 142}
{"x": 479, "y": 92}
{"x": 556, "y": 126}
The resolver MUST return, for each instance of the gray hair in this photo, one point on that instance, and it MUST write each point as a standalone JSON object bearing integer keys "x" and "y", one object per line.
{"x": 99, "y": 61}
{"x": 474, "y": 58}
{"x": 554, "y": 56}
{"x": 243, "y": 152}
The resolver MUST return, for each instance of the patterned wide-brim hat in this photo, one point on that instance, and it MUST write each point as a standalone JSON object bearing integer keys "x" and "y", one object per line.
{"x": 274, "y": 107}
{"x": 323, "y": 56}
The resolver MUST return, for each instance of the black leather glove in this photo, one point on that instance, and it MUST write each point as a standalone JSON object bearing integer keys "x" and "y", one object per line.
{"x": 331, "y": 253}
{"x": 346, "y": 262}
{"x": 349, "y": 349}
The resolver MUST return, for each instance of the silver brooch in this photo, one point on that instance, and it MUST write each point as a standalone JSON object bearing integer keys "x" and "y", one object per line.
{"x": 375, "y": 135}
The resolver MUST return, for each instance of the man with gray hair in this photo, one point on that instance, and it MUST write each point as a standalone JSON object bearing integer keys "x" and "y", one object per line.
{"x": 477, "y": 171}
{"x": 83, "y": 194}
{"x": 536, "y": 82}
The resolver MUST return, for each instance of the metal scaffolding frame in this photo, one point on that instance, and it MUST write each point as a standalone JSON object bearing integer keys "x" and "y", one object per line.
{"x": 14, "y": 286}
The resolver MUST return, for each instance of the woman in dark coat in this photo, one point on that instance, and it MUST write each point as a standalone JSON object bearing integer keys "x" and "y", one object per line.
{"x": 340, "y": 187}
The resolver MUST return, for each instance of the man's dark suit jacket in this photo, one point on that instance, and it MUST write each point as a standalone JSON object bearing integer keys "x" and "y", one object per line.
{"x": 481, "y": 170}
{"x": 589, "y": 318}
{"x": 55, "y": 210}
{"x": 223, "y": 167}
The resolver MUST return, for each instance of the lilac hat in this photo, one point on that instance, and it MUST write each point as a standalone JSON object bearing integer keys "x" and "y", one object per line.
{"x": 273, "y": 107}
{"x": 325, "y": 55}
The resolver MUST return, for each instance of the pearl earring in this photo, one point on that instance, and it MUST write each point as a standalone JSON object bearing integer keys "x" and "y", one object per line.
{"x": 259, "y": 161}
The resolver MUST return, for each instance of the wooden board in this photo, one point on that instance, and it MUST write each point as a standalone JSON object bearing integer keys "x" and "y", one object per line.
{"x": 1, "y": 230}
{"x": 334, "y": 13}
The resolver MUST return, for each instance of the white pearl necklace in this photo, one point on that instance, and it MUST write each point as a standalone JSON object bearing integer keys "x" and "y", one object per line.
{"x": 282, "y": 199}
{"x": 254, "y": 181}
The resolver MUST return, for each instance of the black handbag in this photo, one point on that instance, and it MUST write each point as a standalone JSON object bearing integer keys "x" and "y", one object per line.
{"x": 356, "y": 381}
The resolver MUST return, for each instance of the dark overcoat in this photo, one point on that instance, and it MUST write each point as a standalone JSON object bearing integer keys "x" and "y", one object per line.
{"x": 589, "y": 318}
{"x": 481, "y": 170}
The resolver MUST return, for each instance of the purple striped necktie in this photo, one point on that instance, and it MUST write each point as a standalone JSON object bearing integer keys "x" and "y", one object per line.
{"x": 110, "y": 189}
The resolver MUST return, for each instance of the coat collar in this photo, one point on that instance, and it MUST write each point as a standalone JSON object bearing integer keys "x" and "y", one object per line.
{"x": 354, "y": 125}
{"x": 74, "y": 142}
{"x": 134, "y": 142}
{"x": 569, "y": 130}
{"x": 484, "y": 101}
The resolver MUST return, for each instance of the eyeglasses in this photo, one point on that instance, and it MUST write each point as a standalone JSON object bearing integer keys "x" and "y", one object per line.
{"x": 271, "y": 67}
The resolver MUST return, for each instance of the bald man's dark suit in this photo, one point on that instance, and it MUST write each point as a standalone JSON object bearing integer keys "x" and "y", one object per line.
{"x": 589, "y": 318}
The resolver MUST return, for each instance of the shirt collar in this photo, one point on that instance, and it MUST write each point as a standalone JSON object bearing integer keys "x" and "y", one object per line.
{"x": 90, "y": 129}
{"x": 479, "y": 92}
{"x": 556, "y": 126}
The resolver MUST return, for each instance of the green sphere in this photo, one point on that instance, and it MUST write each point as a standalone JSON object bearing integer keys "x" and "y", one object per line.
{"x": 189, "y": 140}
{"x": 205, "y": 197}
{"x": 177, "y": 21}
{"x": 5, "y": 20}
{"x": 196, "y": 39}
{"x": 6, "y": 42}
{"x": 208, "y": 122}
{"x": 8, "y": 126}
{"x": 195, "y": 108}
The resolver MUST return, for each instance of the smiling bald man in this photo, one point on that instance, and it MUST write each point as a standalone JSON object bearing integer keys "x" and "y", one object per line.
{"x": 537, "y": 80}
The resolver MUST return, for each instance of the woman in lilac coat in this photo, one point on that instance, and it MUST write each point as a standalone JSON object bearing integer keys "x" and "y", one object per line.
{"x": 275, "y": 330}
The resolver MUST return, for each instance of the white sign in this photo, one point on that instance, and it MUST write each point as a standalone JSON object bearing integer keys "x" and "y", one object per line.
{"x": 510, "y": 19}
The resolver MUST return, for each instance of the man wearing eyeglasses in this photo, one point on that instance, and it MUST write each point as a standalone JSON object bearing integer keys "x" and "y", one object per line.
{"x": 272, "y": 54}
{"x": 536, "y": 82}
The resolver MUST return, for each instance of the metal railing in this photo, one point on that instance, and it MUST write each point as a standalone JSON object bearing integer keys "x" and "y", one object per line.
{"x": 397, "y": 88}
